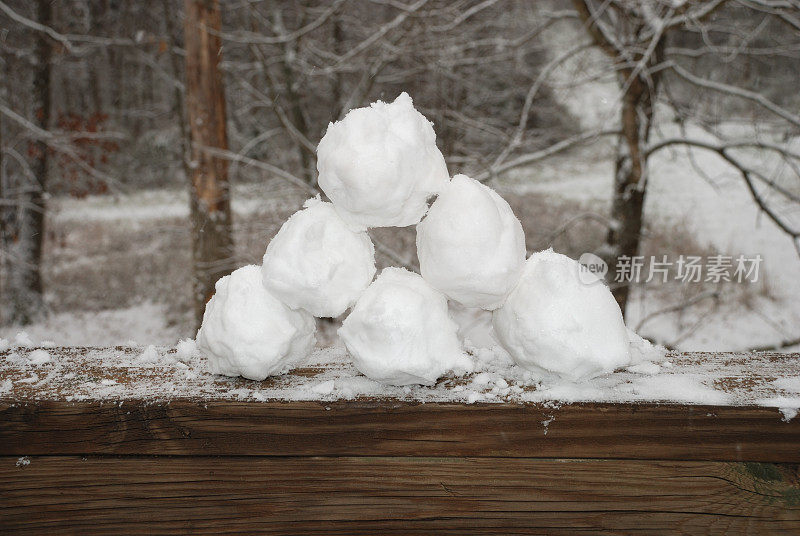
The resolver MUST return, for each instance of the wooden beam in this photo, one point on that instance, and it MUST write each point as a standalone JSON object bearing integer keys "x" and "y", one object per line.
{"x": 131, "y": 495}
{"x": 394, "y": 428}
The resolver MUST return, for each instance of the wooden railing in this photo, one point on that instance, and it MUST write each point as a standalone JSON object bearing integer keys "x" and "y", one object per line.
{"x": 91, "y": 442}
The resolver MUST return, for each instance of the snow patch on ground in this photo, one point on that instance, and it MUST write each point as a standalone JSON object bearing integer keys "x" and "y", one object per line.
{"x": 145, "y": 322}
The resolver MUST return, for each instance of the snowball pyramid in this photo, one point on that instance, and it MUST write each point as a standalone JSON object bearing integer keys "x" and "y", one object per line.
{"x": 399, "y": 331}
{"x": 317, "y": 263}
{"x": 470, "y": 245}
{"x": 380, "y": 164}
{"x": 248, "y": 332}
{"x": 552, "y": 321}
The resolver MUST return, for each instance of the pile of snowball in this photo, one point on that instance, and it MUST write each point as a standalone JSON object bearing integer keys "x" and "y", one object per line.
{"x": 380, "y": 167}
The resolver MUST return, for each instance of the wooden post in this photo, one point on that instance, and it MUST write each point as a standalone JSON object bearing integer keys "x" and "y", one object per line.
{"x": 212, "y": 236}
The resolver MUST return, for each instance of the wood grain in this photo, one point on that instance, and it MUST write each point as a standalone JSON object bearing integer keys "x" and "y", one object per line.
{"x": 118, "y": 374}
{"x": 385, "y": 428}
{"x": 133, "y": 495}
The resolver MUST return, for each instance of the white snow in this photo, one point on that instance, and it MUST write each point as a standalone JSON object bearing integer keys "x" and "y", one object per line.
{"x": 4, "y": 344}
{"x": 324, "y": 388}
{"x": 247, "y": 331}
{"x": 39, "y": 357}
{"x": 400, "y": 333}
{"x": 645, "y": 367}
{"x": 149, "y": 355}
{"x": 788, "y": 383}
{"x": 185, "y": 350}
{"x": 554, "y": 322}
{"x": 474, "y": 325}
{"x": 470, "y": 245}
{"x": 112, "y": 327}
{"x": 317, "y": 263}
{"x": 23, "y": 340}
{"x": 380, "y": 164}
{"x": 643, "y": 352}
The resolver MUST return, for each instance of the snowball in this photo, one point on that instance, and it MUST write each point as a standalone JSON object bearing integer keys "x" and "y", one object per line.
{"x": 399, "y": 331}
{"x": 470, "y": 245}
{"x": 247, "y": 331}
{"x": 380, "y": 164}
{"x": 553, "y": 321}
{"x": 317, "y": 263}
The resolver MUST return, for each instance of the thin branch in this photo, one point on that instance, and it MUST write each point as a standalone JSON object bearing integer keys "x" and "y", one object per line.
{"x": 677, "y": 307}
{"x": 745, "y": 94}
{"x": 529, "y": 158}
{"x": 67, "y": 40}
{"x": 532, "y": 92}
{"x": 383, "y": 30}
{"x": 255, "y": 38}
{"x": 246, "y": 160}
{"x": 746, "y": 174}
{"x": 775, "y": 347}
{"x": 33, "y": 25}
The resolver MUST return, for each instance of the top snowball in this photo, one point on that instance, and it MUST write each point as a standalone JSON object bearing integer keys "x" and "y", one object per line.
{"x": 380, "y": 164}
{"x": 470, "y": 245}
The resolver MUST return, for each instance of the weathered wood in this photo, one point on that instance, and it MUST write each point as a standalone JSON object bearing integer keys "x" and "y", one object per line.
{"x": 106, "y": 495}
{"x": 118, "y": 374}
{"x": 381, "y": 428}
{"x": 106, "y": 401}
{"x": 109, "y": 441}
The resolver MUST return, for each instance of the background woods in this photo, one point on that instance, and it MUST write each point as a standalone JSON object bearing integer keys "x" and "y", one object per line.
{"x": 150, "y": 147}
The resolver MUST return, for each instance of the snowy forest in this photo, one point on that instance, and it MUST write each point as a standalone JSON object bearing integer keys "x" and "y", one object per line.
{"x": 149, "y": 148}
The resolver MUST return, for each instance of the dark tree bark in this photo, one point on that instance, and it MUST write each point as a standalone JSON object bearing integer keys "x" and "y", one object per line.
{"x": 24, "y": 227}
{"x": 630, "y": 175}
{"x": 639, "y": 86}
{"x": 212, "y": 237}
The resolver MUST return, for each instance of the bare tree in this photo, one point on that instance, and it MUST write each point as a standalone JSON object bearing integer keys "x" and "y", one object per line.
{"x": 212, "y": 237}
{"x": 635, "y": 37}
{"x": 23, "y": 234}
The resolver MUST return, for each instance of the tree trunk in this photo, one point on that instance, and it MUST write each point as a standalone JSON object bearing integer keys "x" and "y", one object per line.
{"x": 212, "y": 240}
{"x": 24, "y": 228}
{"x": 630, "y": 176}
